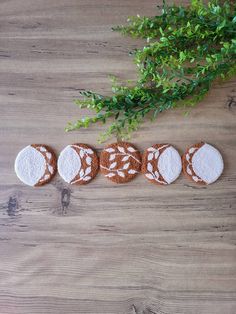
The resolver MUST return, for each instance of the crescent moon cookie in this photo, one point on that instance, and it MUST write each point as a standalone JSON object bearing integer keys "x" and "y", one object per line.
{"x": 78, "y": 164}
{"x": 202, "y": 163}
{"x": 161, "y": 164}
{"x": 35, "y": 164}
{"x": 120, "y": 162}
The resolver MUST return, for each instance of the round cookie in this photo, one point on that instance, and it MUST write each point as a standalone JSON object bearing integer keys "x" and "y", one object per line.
{"x": 35, "y": 164}
{"x": 78, "y": 164}
{"x": 161, "y": 164}
{"x": 120, "y": 162}
{"x": 202, "y": 163}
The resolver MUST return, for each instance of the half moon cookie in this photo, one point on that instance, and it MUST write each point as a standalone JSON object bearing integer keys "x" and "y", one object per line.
{"x": 35, "y": 164}
{"x": 161, "y": 164}
{"x": 120, "y": 162}
{"x": 203, "y": 163}
{"x": 78, "y": 164}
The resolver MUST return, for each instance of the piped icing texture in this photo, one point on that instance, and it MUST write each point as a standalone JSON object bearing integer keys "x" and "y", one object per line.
{"x": 203, "y": 163}
{"x": 77, "y": 164}
{"x": 35, "y": 164}
{"x": 161, "y": 164}
{"x": 120, "y": 162}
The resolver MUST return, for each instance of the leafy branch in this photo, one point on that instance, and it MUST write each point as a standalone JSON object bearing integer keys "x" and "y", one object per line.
{"x": 187, "y": 49}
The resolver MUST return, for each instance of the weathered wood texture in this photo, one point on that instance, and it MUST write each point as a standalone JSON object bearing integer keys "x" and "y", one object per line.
{"x": 104, "y": 248}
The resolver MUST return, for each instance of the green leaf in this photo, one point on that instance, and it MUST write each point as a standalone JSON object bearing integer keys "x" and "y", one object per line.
{"x": 186, "y": 50}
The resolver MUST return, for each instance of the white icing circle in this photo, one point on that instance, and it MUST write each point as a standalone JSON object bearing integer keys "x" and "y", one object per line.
{"x": 30, "y": 165}
{"x": 207, "y": 163}
{"x": 169, "y": 164}
{"x": 69, "y": 164}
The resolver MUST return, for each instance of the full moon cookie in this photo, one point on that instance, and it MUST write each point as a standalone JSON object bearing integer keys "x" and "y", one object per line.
{"x": 161, "y": 164}
{"x": 35, "y": 164}
{"x": 202, "y": 163}
{"x": 78, "y": 164}
{"x": 120, "y": 162}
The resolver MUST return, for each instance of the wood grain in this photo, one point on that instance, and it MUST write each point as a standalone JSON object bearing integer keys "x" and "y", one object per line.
{"x": 103, "y": 248}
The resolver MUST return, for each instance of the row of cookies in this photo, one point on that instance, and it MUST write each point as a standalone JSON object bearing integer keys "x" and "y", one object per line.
{"x": 120, "y": 162}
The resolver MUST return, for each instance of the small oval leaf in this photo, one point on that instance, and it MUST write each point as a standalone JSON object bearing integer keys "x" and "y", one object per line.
{"x": 89, "y": 151}
{"x": 150, "y": 156}
{"x": 113, "y": 165}
{"x": 86, "y": 178}
{"x": 149, "y": 176}
{"x": 151, "y": 149}
{"x": 49, "y": 155}
{"x": 149, "y": 167}
{"x": 195, "y": 178}
{"x": 121, "y": 149}
{"x": 112, "y": 157}
{"x": 88, "y": 170}
{"x": 132, "y": 171}
{"x": 42, "y": 149}
{"x": 110, "y": 150}
{"x": 81, "y": 153}
{"x": 125, "y": 158}
{"x": 131, "y": 149}
{"x": 191, "y": 150}
{"x": 121, "y": 174}
{"x": 88, "y": 160}
{"x": 156, "y": 154}
{"x": 50, "y": 169}
{"x": 109, "y": 175}
{"x": 157, "y": 174}
{"x": 126, "y": 166}
{"x": 189, "y": 170}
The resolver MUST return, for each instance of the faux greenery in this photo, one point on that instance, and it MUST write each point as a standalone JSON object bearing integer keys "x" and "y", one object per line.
{"x": 186, "y": 49}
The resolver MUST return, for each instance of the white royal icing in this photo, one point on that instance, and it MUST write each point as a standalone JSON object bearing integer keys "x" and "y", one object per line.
{"x": 169, "y": 164}
{"x": 30, "y": 165}
{"x": 207, "y": 163}
{"x": 50, "y": 169}
{"x": 69, "y": 164}
{"x": 49, "y": 155}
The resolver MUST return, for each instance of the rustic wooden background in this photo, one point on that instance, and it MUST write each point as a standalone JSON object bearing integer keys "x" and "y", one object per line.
{"x": 105, "y": 248}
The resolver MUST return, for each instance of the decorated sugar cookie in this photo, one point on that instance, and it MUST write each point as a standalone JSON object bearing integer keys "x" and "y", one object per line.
{"x": 35, "y": 164}
{"x": 203, "y": 163}
{"x": 120, "y": 162}
{"x": 78, "y": 164}
{"x": 161, "y": 164}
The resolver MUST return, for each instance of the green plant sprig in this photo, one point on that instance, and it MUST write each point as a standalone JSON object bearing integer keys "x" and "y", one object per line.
{"x": 187, "y": 49}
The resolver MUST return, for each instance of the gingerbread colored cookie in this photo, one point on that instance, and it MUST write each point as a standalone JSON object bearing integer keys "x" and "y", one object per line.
{"x": 120, "y": 162}
{"x": 35, "y": 164}
{"x": 202, "y": 163}
{"x": 78, "y": 164}
{"x": 161, "y": 164}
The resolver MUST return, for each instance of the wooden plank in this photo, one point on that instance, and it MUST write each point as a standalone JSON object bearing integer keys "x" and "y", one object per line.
{"x": 104, "y": 248}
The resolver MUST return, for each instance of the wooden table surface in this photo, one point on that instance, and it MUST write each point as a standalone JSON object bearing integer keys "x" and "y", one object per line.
{"x": 105, "y": 248}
